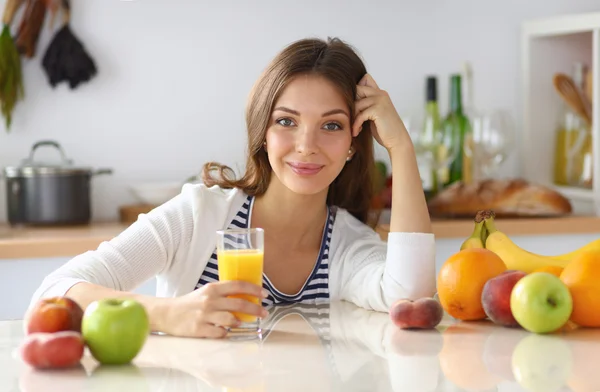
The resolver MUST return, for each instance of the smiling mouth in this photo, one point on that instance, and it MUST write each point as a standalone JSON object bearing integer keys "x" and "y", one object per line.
{"x": 305, "y": 169}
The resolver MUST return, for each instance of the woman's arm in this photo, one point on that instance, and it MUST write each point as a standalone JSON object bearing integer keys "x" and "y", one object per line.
{"x": 120, "y": 265}
{"x": 85, "y": 293}
{"x": 142, "y": 251}
{"x": 372, "y": 274}
{"x": 409, "y": 208}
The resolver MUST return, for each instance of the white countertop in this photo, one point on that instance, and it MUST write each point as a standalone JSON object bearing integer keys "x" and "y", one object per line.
{"x": 331, "y": 348}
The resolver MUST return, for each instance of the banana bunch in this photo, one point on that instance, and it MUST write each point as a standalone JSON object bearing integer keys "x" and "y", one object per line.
{"x": 486, "y": 235}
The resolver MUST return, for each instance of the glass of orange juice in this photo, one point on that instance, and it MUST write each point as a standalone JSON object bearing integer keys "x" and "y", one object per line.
{"x": 240, "y": 257}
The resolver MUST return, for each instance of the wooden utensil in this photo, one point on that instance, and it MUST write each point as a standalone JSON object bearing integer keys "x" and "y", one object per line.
{"x": 573, "y": 96}
{"x": 589, "y": 86}
{"x": 30, "y": 27}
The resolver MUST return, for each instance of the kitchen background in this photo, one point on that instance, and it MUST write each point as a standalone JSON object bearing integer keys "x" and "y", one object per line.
{"x": 173, "y": 76}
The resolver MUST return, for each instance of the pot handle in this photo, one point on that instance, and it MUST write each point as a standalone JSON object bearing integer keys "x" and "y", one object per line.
{"x": 48, "y": 143}
{"x": 102, "y": 171}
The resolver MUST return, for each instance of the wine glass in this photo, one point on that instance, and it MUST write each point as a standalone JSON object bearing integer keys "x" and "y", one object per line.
{"x": 490, "y": 142}
{"x": 436, "y": 145}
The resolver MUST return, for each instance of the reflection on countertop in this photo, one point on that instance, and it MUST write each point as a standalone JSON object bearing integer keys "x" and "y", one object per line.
{"x": 336, "y": 347}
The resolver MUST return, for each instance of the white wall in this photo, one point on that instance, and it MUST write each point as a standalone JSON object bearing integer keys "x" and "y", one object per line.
{"x": 174, "y": 75}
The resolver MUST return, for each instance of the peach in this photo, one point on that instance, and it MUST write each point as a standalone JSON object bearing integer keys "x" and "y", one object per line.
{"x": 424, "y": 313}
{"x": 44, "y": 350}
{"x": 53, "y": 315}
{"x": 495, "y": 298}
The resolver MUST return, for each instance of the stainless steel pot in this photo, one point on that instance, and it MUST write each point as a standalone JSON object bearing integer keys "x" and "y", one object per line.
{"x": 49, "y": 194}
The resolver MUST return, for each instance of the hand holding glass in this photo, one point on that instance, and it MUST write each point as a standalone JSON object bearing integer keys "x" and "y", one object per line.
{"x": 240, "y": 255}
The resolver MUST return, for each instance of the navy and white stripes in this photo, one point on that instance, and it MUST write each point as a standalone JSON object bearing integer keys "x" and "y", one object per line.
{"x": 316, "y": 287}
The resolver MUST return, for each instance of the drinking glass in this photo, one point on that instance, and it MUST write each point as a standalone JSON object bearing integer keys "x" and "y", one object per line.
{"x": 240, "y": 255}
{"x": 491, "y": 142}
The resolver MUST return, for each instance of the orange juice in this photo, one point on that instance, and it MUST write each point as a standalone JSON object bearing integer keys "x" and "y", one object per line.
{"x": 242, "y": 264}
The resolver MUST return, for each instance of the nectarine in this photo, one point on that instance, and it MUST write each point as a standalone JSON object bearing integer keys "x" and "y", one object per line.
{"x": 44, "y": 350}
{"x": 424, "y": 313}
{"x": 495, "y": 297}
{"x": 53, "y": 315}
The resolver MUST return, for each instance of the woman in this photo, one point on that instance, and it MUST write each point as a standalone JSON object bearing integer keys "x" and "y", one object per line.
{"x": 311, "y": 120}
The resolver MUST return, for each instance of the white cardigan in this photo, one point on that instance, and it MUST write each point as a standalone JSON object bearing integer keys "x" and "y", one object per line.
{"x": 174, "y": 242}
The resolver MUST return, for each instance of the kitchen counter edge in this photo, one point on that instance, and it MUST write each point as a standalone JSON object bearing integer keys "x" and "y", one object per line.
{"x": 27, "y": 242}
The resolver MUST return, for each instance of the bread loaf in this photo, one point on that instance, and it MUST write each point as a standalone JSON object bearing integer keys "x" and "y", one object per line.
{"x": 507, "y": 197}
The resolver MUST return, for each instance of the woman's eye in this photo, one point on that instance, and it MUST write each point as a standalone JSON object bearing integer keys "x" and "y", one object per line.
{"x": 333, "y": 126}
{"x": 286, "y": 122}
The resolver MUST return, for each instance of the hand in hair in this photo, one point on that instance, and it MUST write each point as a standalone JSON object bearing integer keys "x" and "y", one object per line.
{"x": 374, "y": 104}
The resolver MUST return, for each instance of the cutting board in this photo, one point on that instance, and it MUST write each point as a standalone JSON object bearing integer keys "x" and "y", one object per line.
{"x": 129, "y": 213}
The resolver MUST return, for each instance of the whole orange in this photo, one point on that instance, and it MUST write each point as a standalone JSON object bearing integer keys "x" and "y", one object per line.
{"x": 582, "y": 277}
{"x": 553, "y": 269}
{"x": 461, "y": 280}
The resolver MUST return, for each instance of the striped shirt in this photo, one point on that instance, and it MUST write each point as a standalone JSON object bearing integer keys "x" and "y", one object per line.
{"x": 316, "y": 287}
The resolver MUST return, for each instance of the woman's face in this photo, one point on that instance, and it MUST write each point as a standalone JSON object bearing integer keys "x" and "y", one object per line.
{"x": 309, "y": 135}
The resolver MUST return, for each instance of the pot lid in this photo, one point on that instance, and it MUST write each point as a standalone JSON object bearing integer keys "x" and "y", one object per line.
{"x": 29, "y": 167}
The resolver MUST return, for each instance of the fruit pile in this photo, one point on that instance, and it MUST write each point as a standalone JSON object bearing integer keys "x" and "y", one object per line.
{"x": 493, "y": 278}
{"x": 58, "y": 330}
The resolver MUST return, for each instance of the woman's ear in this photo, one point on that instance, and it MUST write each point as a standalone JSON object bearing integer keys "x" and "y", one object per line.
{"x": 351, "y": 152}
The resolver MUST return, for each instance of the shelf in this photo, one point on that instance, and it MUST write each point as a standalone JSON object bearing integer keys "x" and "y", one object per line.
{"x": 561, "y": 25}
{"x": 566, "y": 225}
{"x": 550, "y": 46}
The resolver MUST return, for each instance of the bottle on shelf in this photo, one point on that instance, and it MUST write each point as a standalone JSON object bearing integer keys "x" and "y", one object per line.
{"x": 468, "y": 90}
{"x": 429, "y": 136}
{"x": 573, "y": 142}
{"x": 457, "y": 124}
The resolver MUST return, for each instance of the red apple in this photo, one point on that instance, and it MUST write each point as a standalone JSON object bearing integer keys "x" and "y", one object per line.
{"x": 44, "y": 350}
{"x": 495, "y": 297}
{"x": 424, "y": 313}
{"x": 53, "y": 315}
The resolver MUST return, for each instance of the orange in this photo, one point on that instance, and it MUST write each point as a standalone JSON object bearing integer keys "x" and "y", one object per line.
{"x": 553, "y": 269}
{"x": 461, "y": 279}
{"x": 582, "y": 277}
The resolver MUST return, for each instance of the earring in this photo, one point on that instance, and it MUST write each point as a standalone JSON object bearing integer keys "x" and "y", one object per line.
{"x": 349, "y": 155}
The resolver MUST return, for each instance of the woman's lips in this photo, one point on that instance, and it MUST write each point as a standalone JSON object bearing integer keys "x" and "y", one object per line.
{"x": 305, "y": 169}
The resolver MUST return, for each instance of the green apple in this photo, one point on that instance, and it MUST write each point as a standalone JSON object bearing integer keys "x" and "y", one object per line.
{"x": 541, "y": 302}
{"x": 115, "y": 330}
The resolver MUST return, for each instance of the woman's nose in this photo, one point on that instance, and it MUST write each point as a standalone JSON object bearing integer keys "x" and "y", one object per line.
{"x": 307, "y": 141}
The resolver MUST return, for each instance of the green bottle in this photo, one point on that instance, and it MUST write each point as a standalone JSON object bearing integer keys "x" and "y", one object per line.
{"x": 431, "y": 128}
{"x": 457, "y": 124}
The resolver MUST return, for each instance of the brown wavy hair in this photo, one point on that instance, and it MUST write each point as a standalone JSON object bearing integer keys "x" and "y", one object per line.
{"x": 339, "y": 63}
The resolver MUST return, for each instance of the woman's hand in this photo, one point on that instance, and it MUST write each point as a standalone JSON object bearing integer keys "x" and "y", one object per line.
{"x": 375, "y": 104}
{"x": 206, "y": 312}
